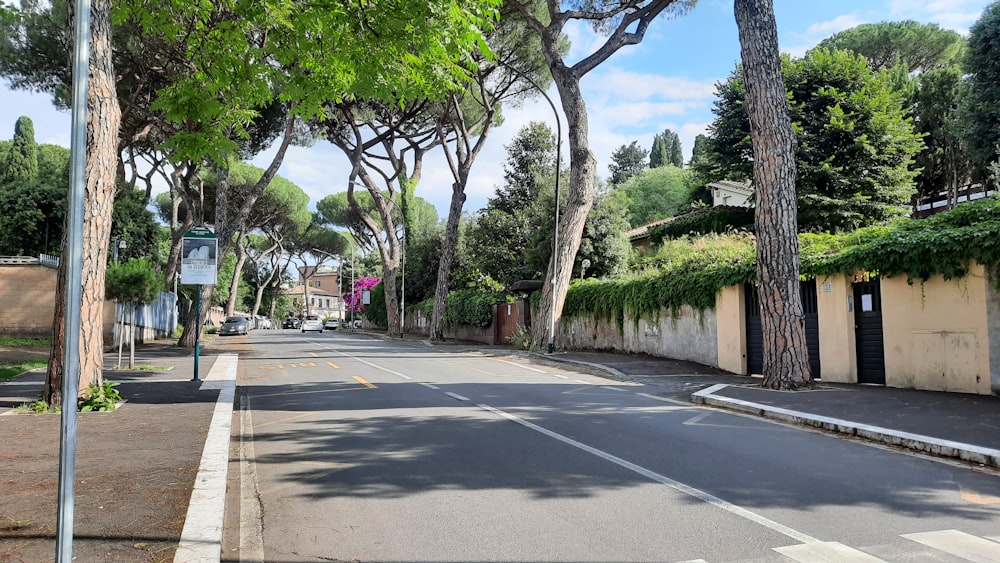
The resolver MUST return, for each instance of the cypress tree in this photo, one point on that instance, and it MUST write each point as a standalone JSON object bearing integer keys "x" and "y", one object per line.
{"x": 21, "y": 164}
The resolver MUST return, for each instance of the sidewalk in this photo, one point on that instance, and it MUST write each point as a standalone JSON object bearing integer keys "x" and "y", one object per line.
{"x": 954, "y": 425}
{"x": 135, "y": 468}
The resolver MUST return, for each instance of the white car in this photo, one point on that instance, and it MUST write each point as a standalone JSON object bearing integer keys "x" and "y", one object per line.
{"x": 331, "y": 324}
{"x": 312, "y": 322}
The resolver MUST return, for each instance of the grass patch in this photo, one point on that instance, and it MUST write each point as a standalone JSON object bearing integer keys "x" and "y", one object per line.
{"x": 12, "y": 342}
{"x": 12, "y": 371}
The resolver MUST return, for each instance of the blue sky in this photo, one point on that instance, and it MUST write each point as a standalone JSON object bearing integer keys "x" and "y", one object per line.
{"x": 668, "y": 81}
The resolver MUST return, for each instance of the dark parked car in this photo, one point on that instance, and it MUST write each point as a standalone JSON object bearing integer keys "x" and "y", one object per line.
{"x": 291, "y": 322}
{"x": 235, "y": 325}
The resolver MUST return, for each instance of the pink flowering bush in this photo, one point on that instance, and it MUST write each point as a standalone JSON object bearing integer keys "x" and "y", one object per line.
{"x": 354, "y": 298}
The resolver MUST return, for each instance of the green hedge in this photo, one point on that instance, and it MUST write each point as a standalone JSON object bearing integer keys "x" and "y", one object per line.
{"x": 471, "y": 307}
{"x": 692, "y": 271}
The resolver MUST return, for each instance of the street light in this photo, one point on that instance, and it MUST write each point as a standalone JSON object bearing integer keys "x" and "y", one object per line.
{"x": 120, "y": 245}
{"x": 555, "y": 230}
{"x": 583, "y": 267}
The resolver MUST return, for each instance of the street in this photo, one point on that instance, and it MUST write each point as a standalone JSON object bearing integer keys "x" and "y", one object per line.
{"x": 353, "y": 447}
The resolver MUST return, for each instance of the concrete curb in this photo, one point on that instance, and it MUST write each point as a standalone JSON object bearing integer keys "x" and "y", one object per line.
{"x": 926, "y": 444}
{"x": 201, "y": 539}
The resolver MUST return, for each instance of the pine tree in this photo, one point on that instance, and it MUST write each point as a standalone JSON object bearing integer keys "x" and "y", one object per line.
{"x": 658, "y": 154}
{"x": 21, "y": 164}
{"x": 676, "y": 153}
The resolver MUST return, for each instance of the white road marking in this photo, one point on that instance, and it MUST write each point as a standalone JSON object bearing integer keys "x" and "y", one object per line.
{"x": 251, "y": 523}
{"x": 609, "y": 388}
{"x": 994, "y": 538}
{"x": 536, "y": 370}
{"x": 559, "y": 376}
{"x": 666, "y": 400}
{"x": 584, "y": 382}
{"x": 430, "y": 386}
{"x": 376, "y": 366}
{"x": 201, "y": 538}
{"x": 676, "y": 485}
{"x": 959, "y": 544}
{"x": 456, "y": 396}
{"x": 826, "y": 552}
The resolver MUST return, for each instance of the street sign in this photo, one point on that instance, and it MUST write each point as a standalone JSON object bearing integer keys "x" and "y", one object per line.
{"x": 199, "y": 257}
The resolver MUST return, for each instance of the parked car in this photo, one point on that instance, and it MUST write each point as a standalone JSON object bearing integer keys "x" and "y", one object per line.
{"x": 291, "y": 322}
{"x": 331, "y": 324}
{"x": 312, "y": 322}
{"x": 235, "y": 325}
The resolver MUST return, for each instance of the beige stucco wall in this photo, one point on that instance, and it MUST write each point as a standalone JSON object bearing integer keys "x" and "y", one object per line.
{"x": 936, "y": 334}
{"x": 27, "y": 302}
{"x": 836, "y": 329}
{"x": 730, "y": 314}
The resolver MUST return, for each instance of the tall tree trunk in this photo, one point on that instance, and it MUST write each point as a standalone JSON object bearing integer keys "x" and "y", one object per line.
{"x": 103, "y": 121}
{"x": 191, "y": 323}
{"x": 785, "y": 354}
{"x": 448, "y": 249}
{"x": 583, "y": 169}
{"x": 241, "y": 260}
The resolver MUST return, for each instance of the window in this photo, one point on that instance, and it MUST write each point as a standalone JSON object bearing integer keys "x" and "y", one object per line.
{"x": 316, "y": 283}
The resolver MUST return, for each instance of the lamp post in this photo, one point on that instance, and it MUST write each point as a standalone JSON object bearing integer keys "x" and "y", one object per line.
{"x": 583, "y": 267}
{"x": 120, "y": 245}
{"x": 555, "y": 219}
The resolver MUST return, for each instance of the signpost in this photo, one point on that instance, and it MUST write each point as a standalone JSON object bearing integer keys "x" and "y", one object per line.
{"x": 199, "y": 266}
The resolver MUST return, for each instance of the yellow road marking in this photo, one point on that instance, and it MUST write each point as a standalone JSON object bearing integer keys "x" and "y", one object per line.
{"x": 973, "y": 497}
{"x": 362, "y": 381}
{"x": 313, "y": 392}
{"x": 333, "y": 365}
{"x": 314, "y": 354}
{"x": 287, "y": 419}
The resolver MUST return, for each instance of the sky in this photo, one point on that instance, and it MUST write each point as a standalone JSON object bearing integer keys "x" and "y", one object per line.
{"x": 666, "y": 82}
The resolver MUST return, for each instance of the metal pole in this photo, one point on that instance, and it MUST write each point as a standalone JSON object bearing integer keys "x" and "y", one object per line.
{"x": 74, "y": 285}
{"x": 353, "y": 304}
{"x": 402, "y": 293}
{"x": 197, "y": 331}
{"x": 555, "y": 222}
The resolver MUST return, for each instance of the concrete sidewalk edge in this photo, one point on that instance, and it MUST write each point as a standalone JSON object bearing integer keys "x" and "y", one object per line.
{"x": 201, "y": 539}
{"x": 926, "y": 444}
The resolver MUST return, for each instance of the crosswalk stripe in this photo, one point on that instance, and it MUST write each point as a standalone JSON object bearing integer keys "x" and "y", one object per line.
{"x": 826, "y": 552}
{"x": 959, "y": 544}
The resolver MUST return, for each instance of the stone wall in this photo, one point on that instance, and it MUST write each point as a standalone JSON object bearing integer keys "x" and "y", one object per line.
{"x": 691, "y": 336}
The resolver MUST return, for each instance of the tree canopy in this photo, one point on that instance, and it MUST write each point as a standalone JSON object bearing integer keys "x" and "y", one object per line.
{"x": 666, "y": 150}
{"x": 855, "y": 146}
{"x": 626, "y": 162}
{"x": 980, "y": 105}
{"x": 657, "y": 193}
{"x": 919, "y": 47}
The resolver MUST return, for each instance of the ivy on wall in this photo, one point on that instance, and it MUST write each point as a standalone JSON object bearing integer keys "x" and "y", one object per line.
{"x": 692, "y": 271}
{"x": 471, "y": 307}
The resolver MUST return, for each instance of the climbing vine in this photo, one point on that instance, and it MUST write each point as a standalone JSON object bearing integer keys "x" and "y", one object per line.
{"x": 692, "y": 271}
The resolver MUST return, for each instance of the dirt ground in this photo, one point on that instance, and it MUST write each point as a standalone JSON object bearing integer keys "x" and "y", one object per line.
{"x": 16, "y": 354}
{"x": 134, "y": 468}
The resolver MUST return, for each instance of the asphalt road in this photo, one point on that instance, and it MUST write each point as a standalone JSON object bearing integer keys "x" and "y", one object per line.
{"x": 355, "y": 448}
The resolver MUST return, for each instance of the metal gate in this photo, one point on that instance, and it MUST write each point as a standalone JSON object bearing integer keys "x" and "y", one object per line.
{"x": 507, "y": 316}
{"x": 868, "y": 330}
{"x": 755, "y": 334}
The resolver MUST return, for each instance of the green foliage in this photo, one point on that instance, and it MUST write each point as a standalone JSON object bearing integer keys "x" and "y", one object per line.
{"x": 377, "y": 312}
{"x": 34, "y": 210}
{"x": 657, "y": 193}
{"x": 919, "y": 47}
{"x": 136, "y": 225}
{"x": 718, "y": 219}
{"x": 21, "y": 161}
{"x": 39, "y": 407}
{"x": 13, "y": 370}
{"x": 14, "y": 342}
{"x": 979, "y": 107}
{"x": 103, "y": 398}
{"x": 666, "y": 150}
{"x": 133, "y": 282}
{"x": 471, "y": 307}
{"x": 626, "y": 162}
{"x": 855, "y": 145}
{"x": 691, "y": 271}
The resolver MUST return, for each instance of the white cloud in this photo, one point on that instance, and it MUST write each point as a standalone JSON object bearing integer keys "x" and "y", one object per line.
{"x": 800, "y": 42}
{"x": 645, "y": 86}
{"x": 958, "y": 15}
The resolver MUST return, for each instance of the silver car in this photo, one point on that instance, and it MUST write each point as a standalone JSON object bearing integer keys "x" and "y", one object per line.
{"x": 235, "y": 325}
{"x": 312, "y": 322}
